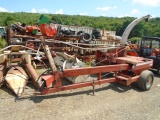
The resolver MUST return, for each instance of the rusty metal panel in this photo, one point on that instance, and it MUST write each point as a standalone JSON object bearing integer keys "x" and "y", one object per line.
{"x": 145, "y": 65}
{"x": 48, "y": 79}
{"x": 16, "y": 79}
{"x": 79, "y": 85}
{"x": 94, "y": 70}
{"x": 130, "y": 59}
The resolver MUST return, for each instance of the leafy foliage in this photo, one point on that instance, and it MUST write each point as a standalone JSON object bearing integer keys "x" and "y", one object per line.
{"x": 134, "y": 40}
{"x": 2, "y": 43}
{"x": 151, "y": 28}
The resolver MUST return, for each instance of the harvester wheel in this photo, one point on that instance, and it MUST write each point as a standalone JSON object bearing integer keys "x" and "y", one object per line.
{"x": 146, "y": 80}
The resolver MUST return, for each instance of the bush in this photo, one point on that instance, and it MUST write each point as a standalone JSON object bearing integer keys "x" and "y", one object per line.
{"x": 134, "y": 40}
{"x": 2, "y": 43}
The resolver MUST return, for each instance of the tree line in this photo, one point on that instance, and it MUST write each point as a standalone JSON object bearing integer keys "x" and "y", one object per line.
{"x": 151, "y": 28}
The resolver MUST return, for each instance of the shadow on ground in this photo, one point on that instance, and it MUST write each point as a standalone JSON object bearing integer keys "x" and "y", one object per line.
{"x": 111, "y": 86}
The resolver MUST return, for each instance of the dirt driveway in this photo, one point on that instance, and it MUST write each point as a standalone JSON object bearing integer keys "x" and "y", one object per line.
{"x": 111, "y": 102}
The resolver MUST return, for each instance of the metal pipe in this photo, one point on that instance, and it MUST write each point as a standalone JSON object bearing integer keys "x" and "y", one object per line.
{"x": 93, "y": 87}
{"x": 33, "y": 74}
{"x": 48, "y": 54}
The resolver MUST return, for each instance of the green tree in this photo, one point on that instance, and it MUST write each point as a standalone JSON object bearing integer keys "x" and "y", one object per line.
{"x": 134, "y": 40}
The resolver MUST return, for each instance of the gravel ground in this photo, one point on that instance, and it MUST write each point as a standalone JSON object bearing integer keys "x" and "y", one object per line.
{"x": 111, "y": 102}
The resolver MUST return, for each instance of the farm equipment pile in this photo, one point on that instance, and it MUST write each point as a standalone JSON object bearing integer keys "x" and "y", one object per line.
{"x": 66, "y": 54}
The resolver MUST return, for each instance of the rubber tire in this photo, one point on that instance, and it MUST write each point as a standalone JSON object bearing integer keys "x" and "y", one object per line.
{"x": 142, "y": 82}
{"x": 98, "y": 36}
{"x": 59, "y": 30}
{"x": 158, "y": 71}
{"x": 80, "y": 32}
{"x": 96, "y": 31}
{"x": 88, "y": 39}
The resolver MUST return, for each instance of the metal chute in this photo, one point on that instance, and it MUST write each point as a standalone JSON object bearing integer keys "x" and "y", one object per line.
{"x": 131, "y": 26}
